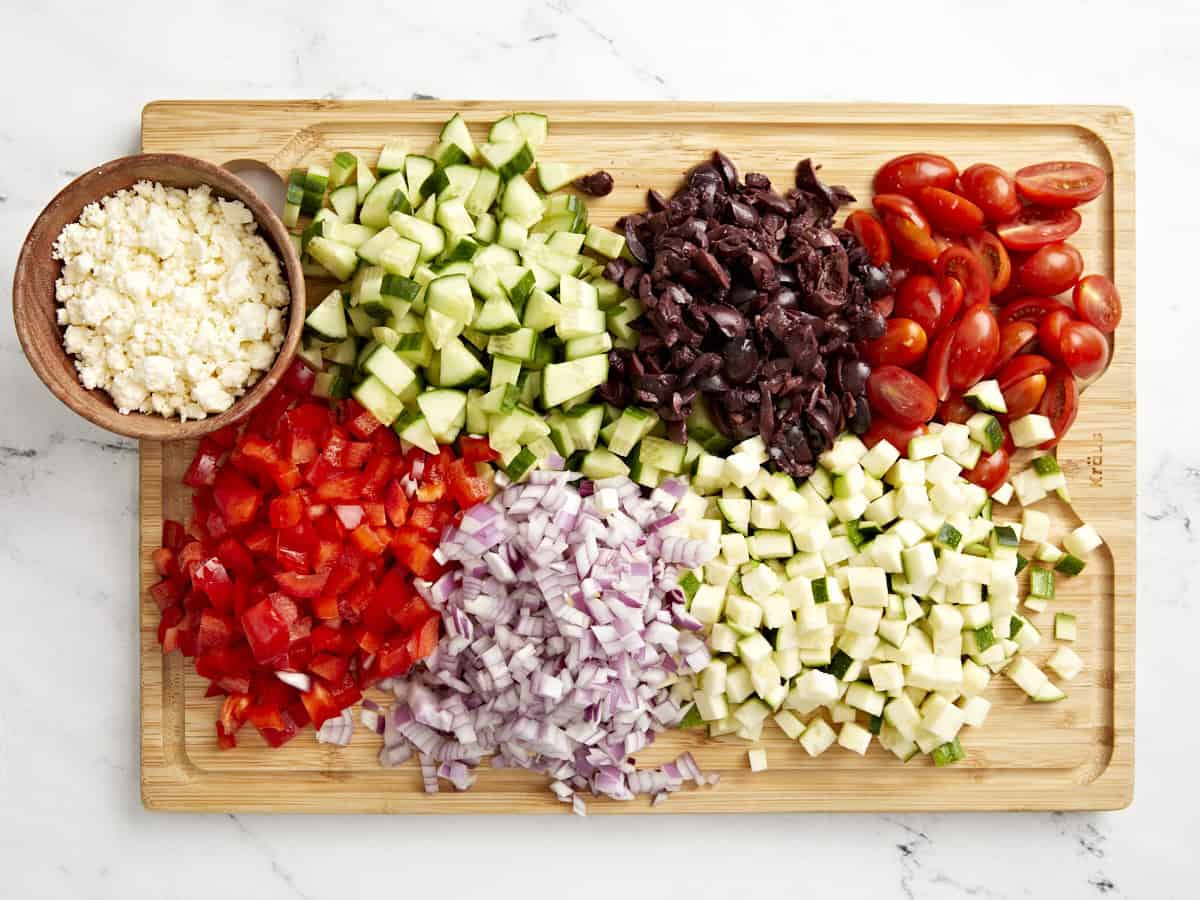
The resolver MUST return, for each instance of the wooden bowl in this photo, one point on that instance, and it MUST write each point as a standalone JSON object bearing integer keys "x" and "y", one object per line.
{"x": 35, "y": 307}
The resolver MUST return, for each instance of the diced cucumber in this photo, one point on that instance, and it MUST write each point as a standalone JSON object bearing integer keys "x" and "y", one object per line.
{"x": 364, "y": 180}
{"x": 451, "y": 296}
{"x": 378, "y": 400}
{"x": 607, "y": 243}
{"x": 328, "y": 319}
{"x": 345, "y": 202}
{"x": 986, "y": 396}
{"x": 584, "y": 423}
{"x": 534, "y": 127}
{"x": 512, "y": 234}
{"x": 484, "y": 193}
{"x": 552, "y": 175}
{"x": 390, "y": 369}
{"x": 507, "y": 158}
{"x": 517, "y": 345}
{"x": 338, "y": 259}
{"x": 497, "y": 316}
{"x": 416, "y": 170}
{"x": 541, "y": 311}
{"x": 602, "y": 463}
{"x": 986, "y": 431}
{"x": 431, "y": 238}
{"x": 452, "y": 215}
{"x": 343, "y": 353}
{"x": 521, "y": 202}
{"x": 590, "y": 345}
{"x": 566, "y": 242}
{"x": 455, "y": 131}
{"x": 445, "y": 411}
{"x": 458, "y": 366}
{"x": 412, "y": 427}
{"x": 662, "y": 454}
{"x": 376, "y": 206}
{"x": 392, "y": 157}
{"x": 632, "y": 425}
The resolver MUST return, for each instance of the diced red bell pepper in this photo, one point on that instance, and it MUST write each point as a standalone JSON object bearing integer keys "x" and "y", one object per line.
{"x": 265, "y": 716}
{"x": 233, "y": 712}
{"x": 412, "y": 613}
{"x": 326, "y": 607}
{"x": 300, "y": 447}
{"x": 368, "y": 640}
{"x": 386, "y": 442}
{"x": 227, "y": 435}
{"x": 331, "y": 640}
{"x": 320, "y": 704}
{"x": 285, "y": 607}
{"x": 279, "y": 737}
{"x": 269, "y": 413}
{"x": 423, "y": 640}
{"x": 212, "y": 578}
{"x": 476, "y": 449}
{"x": 318, "y": 471}
{"x": 305, "y": 587}
{"x": 286, "y": 510}
{"x": 378, "y": 471}
{"x": 365, "y": 538}
{"x": 215, "y": 525}
{"x": 291, "y": 559}
{"x": 395, "y": 503}
{"x": 354, "y": 601}
{"x": 285, "y": 474}
{"x": 314, "y": 418}
{"x": 393, "y": 658}
{"x": 345, "y": 692}
{"x": 325, "y": 555}
{"x": 376, "y": 514}
{"x": 341, "y": 577}
{"x": 467, "y": 486}
{"x": 334, "y": 451}
{"x": 228, "y": 667}
{"x": 421, "y": 517}
{"x": 203, "y": 469}
{"x": 266, "y": 632}
{"x": 257, "y": 453}
{"x": 167, "y": 626}
{"x": 261, "y": 541}
{"x": 174, "y": 535}
{"x": 356, "y": 455}
{"x": 236, "y": 557}
{"x": 168, "y": 592}
{"x": 164, "y": 562}
{"x": 340, "y": 487}
{"x": 417, "y": 556}
{"x": 358, "y": 421}
{"x": 236, "y": 497}
{"x": 215, "y": 631}
{"x": 332, "y": 668}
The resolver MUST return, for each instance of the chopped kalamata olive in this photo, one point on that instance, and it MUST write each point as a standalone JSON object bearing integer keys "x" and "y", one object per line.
{"x": 754, "y": 301}
{"x": 598, "y": 184}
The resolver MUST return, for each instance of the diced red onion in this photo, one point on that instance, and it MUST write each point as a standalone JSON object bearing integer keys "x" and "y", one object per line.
{"x": 563, "y": 633}
{"x": 298, "y": 680}
{"x": 338, "y": 730}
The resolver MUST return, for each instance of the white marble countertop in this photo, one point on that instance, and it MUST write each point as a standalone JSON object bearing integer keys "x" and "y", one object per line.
{"x": 75, "y": 80}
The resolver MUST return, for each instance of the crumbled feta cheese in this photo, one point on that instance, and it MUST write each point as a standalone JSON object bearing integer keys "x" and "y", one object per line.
{"x": 170, "y": 300}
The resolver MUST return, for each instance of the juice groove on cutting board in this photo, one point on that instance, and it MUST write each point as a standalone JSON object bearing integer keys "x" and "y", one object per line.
{"x": 1077, "y": 754}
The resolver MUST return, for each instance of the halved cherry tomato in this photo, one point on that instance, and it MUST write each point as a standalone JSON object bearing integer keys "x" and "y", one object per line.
{"x": 937, "y": 364}
{"x": 1028, "y": 309}
{"x": 952, "y": 302}
{"x": 1014, "y": 338}
{"x": 903, "y": 344}
{"x": 919, "y": 298}
{"x": 896, "y": 435}
{"x": 1034, "y": 227}
{"x": 1098, "y": 303}
{"x": 1084, "y": 349}
{"x": 1051, "y": 269}
{"x": 1020, "y": 368}
{"x": 992, "y": 190}
{"x": 1050, "y": 332}
{"x": 955, "y": 409}
{"x": 991, "y": 470}
{"x": 949, "y": 212}
{"x": 964, "y": 267}
{"x": 991, "y": 253}
{"x": 871, "y": 235}
{"x": 1061, "y": 184}
{"x": 976, "y": 343}
{"x": 900, "y": 396}
{"x": 1023, "y": 396}
{"x": 1060, "y": 403}
{"x": 906, "y": 174}
{"x": 907, "y": 227}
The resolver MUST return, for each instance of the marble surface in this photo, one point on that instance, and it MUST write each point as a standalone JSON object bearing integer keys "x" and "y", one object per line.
{"x": 75, "y": 77}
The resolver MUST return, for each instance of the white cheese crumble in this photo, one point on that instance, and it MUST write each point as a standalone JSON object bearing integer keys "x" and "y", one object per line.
{"x": 172, "y": 302}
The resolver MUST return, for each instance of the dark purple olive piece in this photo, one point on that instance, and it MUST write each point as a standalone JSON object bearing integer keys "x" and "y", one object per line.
{"x": 741, "y": 359}
{"x": 725, "y": 166}
{"x": 597, "y": 184}
{"x": 876, "y": 282}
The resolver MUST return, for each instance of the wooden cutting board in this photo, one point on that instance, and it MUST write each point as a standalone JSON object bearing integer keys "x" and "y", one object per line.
{"x": 1077, "y": 754}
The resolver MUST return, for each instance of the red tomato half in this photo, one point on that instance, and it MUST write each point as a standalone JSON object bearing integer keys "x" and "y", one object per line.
{"x": 903, "y": 344}
{"x": 906, "y": 225}
{"x": 949, "y": 212}
{"x": 990, "y": 472}
{"x": 1084, "y": 349}
{"x": 1051, "y": 270}
{"x": 1060, "y": 403}
{"x": 991, "y": 253}
{"x": 1061, "y": 184}
{"x": 1035, "y": 227}
{"x": 964, "y": 267}
{"x": 1020, "y": 368}
{"x": 955, "y": 409}
{"x": 907, "y": 174}
{"x": 992, "y": 190}
{"x": 952, "y": 302}
{"x": 900, "y": 396}
{"x": 937, "y": 364}
{"x": 919, "y": 298}
{"x": 1097, "y": 302}
{"x": 976, "y": 343}
{"x": 1023, "y": 397}
{"x": 1015, "y": 337}
{"x": 1028, "y": 309}
{"x": 1050, "y": 331}
{"x": 871, "y": 235}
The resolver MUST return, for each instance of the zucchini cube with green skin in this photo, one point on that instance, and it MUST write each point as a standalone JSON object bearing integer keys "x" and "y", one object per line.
{"x": 985, "y": 430}
{"x": 1041, "y": 583}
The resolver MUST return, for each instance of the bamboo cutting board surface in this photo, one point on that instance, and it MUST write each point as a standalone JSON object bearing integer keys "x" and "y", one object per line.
{"x": 1077, "y": 754}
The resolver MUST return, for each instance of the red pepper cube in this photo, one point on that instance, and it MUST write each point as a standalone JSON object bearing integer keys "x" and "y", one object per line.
{"x": 236, "y": 497}
{"x": 286, "y": 510}
{"x": 211, "y": 578}
{"x": 265, "y": 630}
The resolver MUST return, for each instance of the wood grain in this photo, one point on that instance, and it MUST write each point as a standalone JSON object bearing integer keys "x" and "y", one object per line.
{"x": 35, "y": 306}
{"x": 1077, "y": 754}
